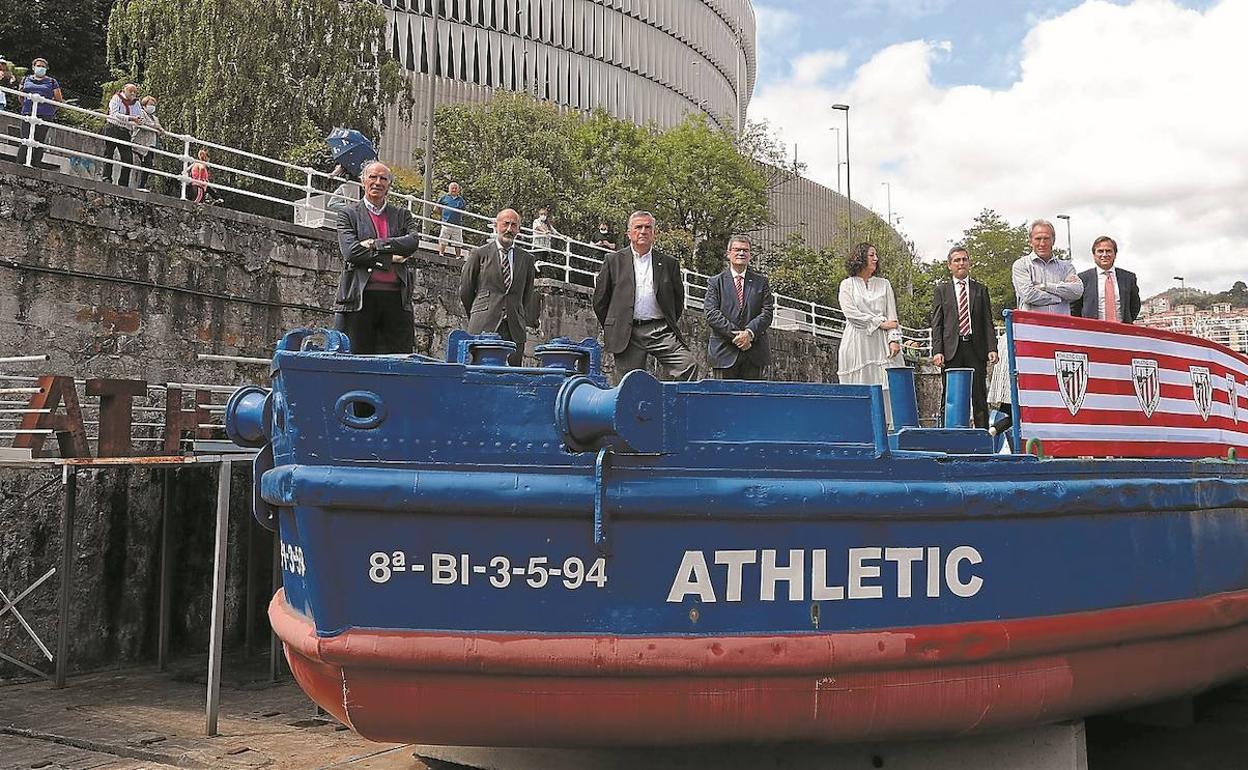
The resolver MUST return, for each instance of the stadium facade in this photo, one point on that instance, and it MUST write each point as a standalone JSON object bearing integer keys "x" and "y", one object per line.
{"x": 645, "y": 61}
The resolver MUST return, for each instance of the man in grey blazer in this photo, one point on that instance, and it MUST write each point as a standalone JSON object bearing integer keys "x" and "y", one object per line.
{"x": 1109, "y": 293}
{"x": 374, "y": 301}
{"x": 639, "y": 295}
{"x": 496, "y": 286}
{"x": 739, "y": 306}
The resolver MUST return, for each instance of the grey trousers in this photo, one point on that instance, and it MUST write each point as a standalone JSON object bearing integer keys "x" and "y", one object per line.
{"x": 656, "y": 339}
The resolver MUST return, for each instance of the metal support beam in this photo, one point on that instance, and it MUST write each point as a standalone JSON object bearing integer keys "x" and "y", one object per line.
{"x": 166, "y": 570}
{"x": 69, "y": 479}
{"x": 218, "y": 596}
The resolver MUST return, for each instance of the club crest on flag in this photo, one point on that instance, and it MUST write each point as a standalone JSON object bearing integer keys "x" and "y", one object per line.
{"x": 1202, "y": 390}
{"x": 1147, "y": 384}
{"x": 1072, "y": 378}
{"x": 1233, "y": 392}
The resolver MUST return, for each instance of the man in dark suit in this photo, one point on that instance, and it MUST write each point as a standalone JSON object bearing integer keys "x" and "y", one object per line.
{"x": 639, "y": 295}
{"x": 1109, "y": 293}
{"x": 962, "y": 332}
{"x": 738, "y": 307}
{"x": 374, "y": 301}
{"x": 496, "y": 286}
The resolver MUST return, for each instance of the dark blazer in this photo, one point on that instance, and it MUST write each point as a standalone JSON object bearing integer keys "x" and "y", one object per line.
{"x": 355, "y": 225}
{"x": 724, "y": 317}
{"x": 945, "y": 337}
{"x": 615, "y": 294}
{"x": 485, "y": 296}
{"x": 1089, "y": 305}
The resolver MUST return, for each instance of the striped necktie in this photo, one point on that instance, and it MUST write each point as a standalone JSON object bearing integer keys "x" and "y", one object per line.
{"x": 964, "y": 310}
{"x": 505, "y": 263}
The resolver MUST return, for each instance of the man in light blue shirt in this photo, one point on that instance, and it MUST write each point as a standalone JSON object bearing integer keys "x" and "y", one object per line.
{"x": 1041, "y": 283}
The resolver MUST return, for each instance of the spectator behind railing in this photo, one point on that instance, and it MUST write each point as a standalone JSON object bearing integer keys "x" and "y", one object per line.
{"x": 543, "y": 228}
{"x": 123, "y": 118}
{"x": 146, "y": 134}
{"x": 200, "y": 175}
{"x": 452, "y": 205}
{"x": 40, "y": 83}
{"x": 7, "y": 80}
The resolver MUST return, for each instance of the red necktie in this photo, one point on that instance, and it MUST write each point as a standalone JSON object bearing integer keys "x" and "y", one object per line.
{"x": 1111, "y": 298}
{"x": 740, "y": 293}
{"x": 964, "y": 310}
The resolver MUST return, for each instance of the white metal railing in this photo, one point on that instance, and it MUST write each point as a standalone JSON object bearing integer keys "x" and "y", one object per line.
{"x": 575, "y": 261}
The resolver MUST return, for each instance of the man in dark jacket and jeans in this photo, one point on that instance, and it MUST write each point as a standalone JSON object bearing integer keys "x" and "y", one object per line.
{"x": 374, "y": 302}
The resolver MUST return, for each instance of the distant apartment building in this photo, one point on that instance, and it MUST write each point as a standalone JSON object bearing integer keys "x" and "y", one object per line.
{"x": 1220, "y": 323}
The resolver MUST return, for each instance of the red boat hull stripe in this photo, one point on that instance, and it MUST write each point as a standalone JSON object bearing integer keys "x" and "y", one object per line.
{"x": 756, "y": 655}
{"x": 595, "y": 691}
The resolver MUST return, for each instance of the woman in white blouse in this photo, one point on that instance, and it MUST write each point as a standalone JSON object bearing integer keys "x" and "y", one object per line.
{"x": 872, "y": 337}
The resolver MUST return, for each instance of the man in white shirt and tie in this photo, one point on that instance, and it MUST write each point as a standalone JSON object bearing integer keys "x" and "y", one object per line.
{"x": 1109, "y": 293}
{"x": 639, "y": 296}
{"x": 962, "y": 332}
{"x": 496, "y": 286}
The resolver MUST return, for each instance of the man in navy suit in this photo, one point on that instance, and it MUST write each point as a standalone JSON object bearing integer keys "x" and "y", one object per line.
{"x": 738, "y": 307}
{"x": 1109, "y": 293}
{"x": 962, "y": 332}
{"x": 374, "y": 301}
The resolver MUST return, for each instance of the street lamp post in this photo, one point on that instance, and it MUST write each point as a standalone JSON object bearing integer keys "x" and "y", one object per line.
{"x": 429, "y": 113}
{"x": 1070, "y": 252}
{"x": 849, "y": 190}
{"x": 888, "y": 191}
{"x": 838, "y": 158}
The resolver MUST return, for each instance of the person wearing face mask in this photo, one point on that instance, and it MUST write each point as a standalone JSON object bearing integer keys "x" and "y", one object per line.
{"x": 38, "y": 82}
{"x": 123, "y": 117}
{"x": 146, "y": 132}
{"x": 543, "y": 228}
{"x": 602, "y": 237}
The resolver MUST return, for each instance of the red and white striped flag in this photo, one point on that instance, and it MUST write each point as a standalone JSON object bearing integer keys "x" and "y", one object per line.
{"x": 1087, "y": 387}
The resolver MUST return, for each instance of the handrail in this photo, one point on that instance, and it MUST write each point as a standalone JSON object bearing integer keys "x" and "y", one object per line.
{"x": 577, "y": 262}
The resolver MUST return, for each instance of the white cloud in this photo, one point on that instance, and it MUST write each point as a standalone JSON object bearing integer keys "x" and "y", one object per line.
{"x": 815, "y": 66}
{"x": 1124, "y": 117}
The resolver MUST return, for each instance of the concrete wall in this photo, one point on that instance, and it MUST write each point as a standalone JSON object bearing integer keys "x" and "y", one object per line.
{"x": 112, "y": 283}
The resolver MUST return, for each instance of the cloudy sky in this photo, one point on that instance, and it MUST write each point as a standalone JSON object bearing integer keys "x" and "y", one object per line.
{"x": 1128, "y": 116}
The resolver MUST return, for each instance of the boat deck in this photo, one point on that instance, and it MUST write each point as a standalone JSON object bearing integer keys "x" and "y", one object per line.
{"x": 139, "y": 719}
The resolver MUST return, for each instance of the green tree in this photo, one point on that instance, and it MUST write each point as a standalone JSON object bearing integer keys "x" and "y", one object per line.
{"x": 519, "y": 152}
{"x": 800, "y": 271}
{"x": 994, "y": 244}
{"x": 702, "y": 184}
{"x": 68, "y": 33}
{"x": 269, "y": 76}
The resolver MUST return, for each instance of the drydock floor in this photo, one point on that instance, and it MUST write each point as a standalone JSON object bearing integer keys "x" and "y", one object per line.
{"x": 139, "y": 719}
